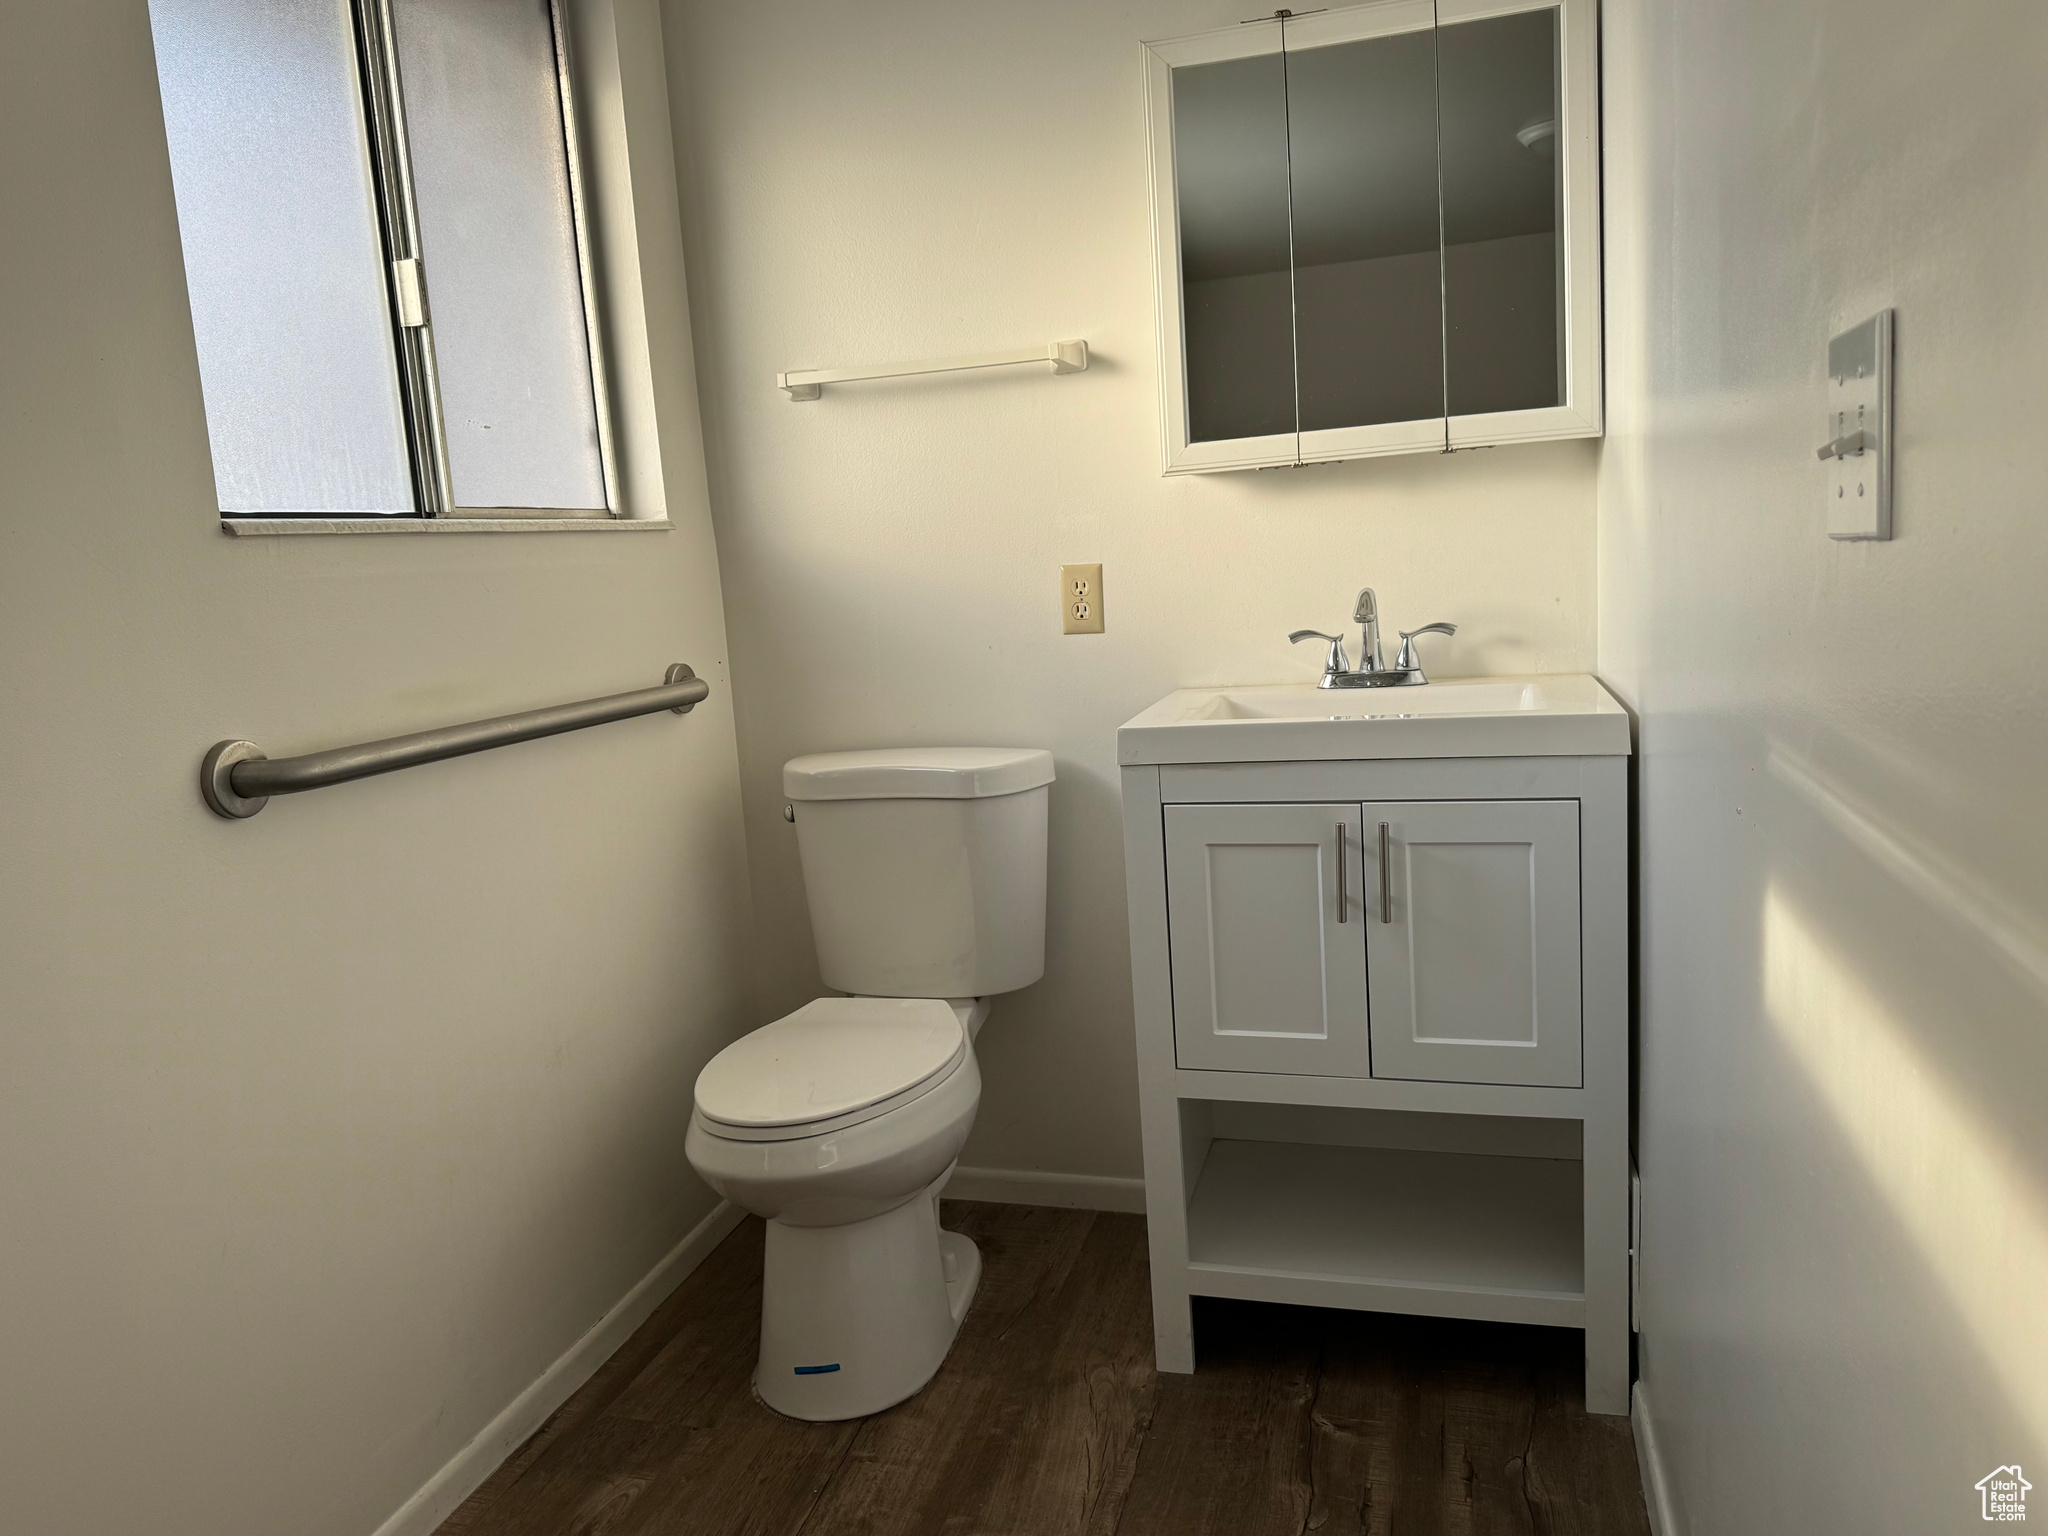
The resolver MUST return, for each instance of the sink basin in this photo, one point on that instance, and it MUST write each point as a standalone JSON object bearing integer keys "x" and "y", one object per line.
{"x": 1288, "y": 702}
{"x": 1565, "y": 714}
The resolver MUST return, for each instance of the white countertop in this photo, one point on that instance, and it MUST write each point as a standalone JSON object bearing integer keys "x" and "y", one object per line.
{"x": 1566, "y": 714}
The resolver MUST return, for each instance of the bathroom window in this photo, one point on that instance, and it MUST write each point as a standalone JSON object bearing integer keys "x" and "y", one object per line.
{"x": 381, "y": 210}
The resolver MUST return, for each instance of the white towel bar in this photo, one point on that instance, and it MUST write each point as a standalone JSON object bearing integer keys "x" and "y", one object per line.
{"x": 809, "y": 383}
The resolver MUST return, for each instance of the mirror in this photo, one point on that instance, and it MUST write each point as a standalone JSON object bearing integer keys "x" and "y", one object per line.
{"x": 1230, "y": 126}
{"x": 1376, "y": 232}
{"x": 1503, "y": 196}
{"x": 1369, "y": 312}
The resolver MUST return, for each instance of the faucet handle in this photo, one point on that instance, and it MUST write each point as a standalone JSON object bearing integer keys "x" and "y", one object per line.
{"x": 1335, "y": 661}
{"x": 1407, "y": 660}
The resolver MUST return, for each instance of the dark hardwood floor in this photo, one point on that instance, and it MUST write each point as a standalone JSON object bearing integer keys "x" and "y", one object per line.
{"x": 1048, "y": 1419}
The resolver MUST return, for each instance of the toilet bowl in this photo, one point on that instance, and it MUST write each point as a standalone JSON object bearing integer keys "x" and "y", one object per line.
{"x": 924, "y": 869}
{"x": 840, "y": 1124}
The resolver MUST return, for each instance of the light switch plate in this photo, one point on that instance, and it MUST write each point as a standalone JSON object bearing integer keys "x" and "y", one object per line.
{"x": 1081, "y": 599}
{"x": 1860, "y": 402}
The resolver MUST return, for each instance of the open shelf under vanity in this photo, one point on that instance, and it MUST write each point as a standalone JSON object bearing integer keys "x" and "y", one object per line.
{"x": 1448, "y": 1234}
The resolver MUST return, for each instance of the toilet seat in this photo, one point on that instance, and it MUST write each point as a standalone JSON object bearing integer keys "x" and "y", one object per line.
{"x": 834, "y": 1063}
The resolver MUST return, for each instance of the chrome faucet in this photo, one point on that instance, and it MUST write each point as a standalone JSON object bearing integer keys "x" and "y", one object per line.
{"x": 1367, "y": 614}
{"x": 1373, "y": 672}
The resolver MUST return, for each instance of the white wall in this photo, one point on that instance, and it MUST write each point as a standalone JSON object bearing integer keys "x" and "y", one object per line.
{"x": 1844, "y": 901}
{"x": 912, "y": 179}
{"x": 321, "y": 1134}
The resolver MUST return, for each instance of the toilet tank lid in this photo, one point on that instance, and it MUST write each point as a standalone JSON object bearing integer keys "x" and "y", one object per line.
{"x": 917, "y": 773}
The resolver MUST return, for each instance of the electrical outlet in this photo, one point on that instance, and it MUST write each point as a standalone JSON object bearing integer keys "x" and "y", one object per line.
{"x": 1080, "y": 599}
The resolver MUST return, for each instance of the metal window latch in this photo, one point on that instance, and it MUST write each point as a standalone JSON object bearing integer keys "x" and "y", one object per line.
{"x": 1842, "y": 447}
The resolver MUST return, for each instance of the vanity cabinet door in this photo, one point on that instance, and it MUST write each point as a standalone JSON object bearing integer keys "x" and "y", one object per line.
{"x": 1472, "y": 933}
{"x": 1267, "y": 929}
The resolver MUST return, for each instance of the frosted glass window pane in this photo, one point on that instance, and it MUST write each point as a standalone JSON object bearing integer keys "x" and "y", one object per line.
{"x": 283, "y": 258}
{"x": 498, "y": 243}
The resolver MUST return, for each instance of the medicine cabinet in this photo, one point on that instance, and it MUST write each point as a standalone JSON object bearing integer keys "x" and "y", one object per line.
{"x": 1377, "y": 232}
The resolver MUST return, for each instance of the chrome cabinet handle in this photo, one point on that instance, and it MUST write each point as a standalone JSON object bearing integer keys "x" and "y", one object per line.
{"x": 1343, "y": 880}
{"x": 1386, "y": 876}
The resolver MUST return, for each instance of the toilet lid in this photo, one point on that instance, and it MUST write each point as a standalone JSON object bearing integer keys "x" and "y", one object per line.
{"x": 830, "y": 1058}
{"x": 917, "y": 773}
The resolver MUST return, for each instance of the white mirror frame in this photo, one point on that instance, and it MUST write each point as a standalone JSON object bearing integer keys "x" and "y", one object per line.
{"x": 1578, "y": 141}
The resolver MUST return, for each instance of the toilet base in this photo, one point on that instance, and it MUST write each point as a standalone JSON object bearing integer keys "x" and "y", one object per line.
{"x": 855, "y": 1318}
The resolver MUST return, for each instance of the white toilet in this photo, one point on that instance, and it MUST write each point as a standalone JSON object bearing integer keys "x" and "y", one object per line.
{"x": 924, "y": 868}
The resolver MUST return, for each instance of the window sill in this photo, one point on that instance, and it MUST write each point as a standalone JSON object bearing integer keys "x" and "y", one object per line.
{"x": 248, "y": 527}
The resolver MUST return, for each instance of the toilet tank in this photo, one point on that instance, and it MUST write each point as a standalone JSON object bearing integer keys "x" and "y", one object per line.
{"x": 924, "y": 867}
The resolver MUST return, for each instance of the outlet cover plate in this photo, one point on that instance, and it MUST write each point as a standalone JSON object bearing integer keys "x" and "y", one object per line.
{"x": 1860, "y": 400}
{"x": 1081, "y": 599}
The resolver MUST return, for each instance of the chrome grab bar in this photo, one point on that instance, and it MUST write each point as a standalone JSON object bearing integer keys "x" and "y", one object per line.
{"x": 237, "y": 779}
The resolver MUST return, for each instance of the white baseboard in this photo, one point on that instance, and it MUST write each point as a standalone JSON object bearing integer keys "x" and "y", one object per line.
{"x": 1656, "y": 1491}
{"x": 1075, "y": 1191}
{"x": 467, "y": 1469}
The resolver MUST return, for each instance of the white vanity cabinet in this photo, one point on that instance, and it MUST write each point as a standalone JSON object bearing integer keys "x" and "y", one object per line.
{"x": 1380, "y": 965}
{"x": 1467, "y": 909}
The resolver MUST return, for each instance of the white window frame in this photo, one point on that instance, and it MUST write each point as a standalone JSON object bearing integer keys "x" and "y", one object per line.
{"x": 622, "y": 227}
